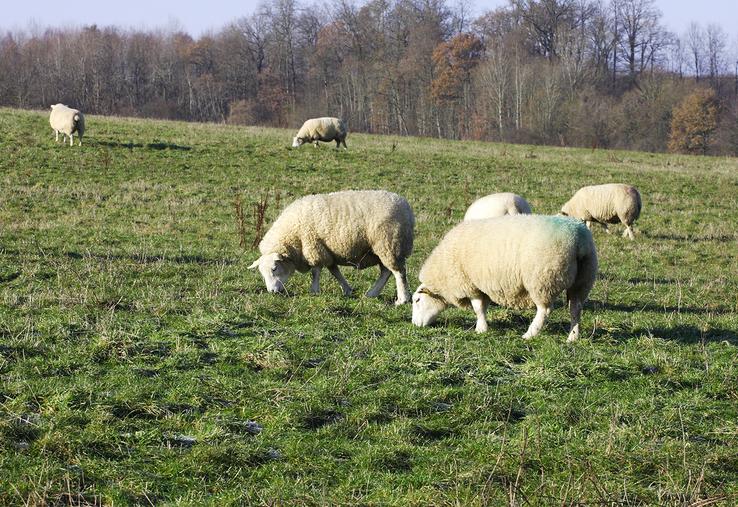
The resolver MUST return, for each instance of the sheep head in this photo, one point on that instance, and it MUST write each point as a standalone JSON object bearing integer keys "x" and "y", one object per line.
{"x": 426, "y": 306}
{"x": 275, "y": 270}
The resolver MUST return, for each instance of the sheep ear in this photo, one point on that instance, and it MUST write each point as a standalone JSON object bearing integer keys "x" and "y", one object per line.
{"x": 255, "y": 264}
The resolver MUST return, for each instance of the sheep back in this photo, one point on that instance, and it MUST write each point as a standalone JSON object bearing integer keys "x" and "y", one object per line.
{"x": 515, "y": 260}
{"x": 354, "y": 227}
{"x": 497, "y": 205}
{"x": 323, "y": 129}
{"x": 610, "y": 203}
{"x": 67, "y": 120}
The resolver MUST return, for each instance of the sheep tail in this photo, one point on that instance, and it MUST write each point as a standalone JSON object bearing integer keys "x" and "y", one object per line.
{"x": 76, "y": 118}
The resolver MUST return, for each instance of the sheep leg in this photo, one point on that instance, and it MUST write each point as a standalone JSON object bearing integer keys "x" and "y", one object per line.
{"x": 315, "y": 285}
{"x": 535, "y": 326}
{"x": 575, "y": 308}
{"x": 338, "y": 143}
{"x": 480, "y": 306}
{"x": 588, "y": 224}
{"x": 607, "y": 229}
{"x": 384, "y": 275}
{"x": 56, "y": 138}
{"x": 71, "y": 139}
{"x": 403, "y": 294}
{"x": 347, "y": 290}
{"x": 628, "y": 233}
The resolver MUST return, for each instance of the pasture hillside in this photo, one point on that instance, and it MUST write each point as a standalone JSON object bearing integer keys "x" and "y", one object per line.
{"x": 141, "y": 362}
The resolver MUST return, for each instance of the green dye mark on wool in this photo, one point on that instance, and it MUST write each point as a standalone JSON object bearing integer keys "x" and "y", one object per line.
{"x": 568, "y": 226}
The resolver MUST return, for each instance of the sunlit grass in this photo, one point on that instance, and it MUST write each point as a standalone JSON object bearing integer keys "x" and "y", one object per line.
{"x": 141, "y": 362}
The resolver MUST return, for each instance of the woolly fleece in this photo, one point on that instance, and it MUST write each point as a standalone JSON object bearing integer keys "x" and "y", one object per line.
{"x": 67, "y": 121}
{"x": 497, "y": 205}
{"x": 515, "y": 261}
{"x": 610, "y": 203}
{"x": 358, "y": 228}
{"x": 322, "y": 129}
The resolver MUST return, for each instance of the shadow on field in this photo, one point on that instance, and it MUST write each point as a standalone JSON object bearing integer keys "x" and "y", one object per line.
{"x": 151, "y": 146}
{"x": 654, "y": 308}
{"x": 150, "y": 259}
{"x": 682, "y": 333}
{"x": 722, "y": 238}
{"x": 637, "y": 280}
{"x": 117, "y": 144}
{"x": 168, "y": 146}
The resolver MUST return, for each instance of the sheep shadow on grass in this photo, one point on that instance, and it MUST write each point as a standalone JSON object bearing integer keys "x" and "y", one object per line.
{"x": 636, "y": 280}
{"x": 683, "y": 333}
{"x": 159, "y": 145}
{"x": 661, "y": 309}
{"x": 684, "y": 238}
{"x": 150, "y": 259}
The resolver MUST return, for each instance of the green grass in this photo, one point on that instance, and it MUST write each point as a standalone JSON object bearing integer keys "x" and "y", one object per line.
{"x": 136, "y": 346}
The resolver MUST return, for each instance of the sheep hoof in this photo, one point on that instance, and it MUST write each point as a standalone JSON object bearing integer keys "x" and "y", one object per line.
{"x": 400, "y": 302}
{"x": 527, "y": 336}
{"x": 572, "y": 338}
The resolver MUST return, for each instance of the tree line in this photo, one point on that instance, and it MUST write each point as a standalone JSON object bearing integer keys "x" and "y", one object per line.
{"x": 594, "y": 73}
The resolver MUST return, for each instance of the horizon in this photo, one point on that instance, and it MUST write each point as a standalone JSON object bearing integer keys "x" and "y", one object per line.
{"x": 200, "y": 20}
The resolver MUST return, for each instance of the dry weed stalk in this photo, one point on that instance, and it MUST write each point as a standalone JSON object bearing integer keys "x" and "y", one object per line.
{"x": 240, "y": 222}
{"x": 259, "y": 213}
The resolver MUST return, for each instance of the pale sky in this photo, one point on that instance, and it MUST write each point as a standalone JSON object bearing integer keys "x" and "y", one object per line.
{"x": 198, "y": 17}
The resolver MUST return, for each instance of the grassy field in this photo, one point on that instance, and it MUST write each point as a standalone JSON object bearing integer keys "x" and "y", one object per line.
{"x": 141, "y": 362}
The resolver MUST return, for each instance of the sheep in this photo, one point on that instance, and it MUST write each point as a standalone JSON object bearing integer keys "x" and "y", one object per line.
{"x": 606, "y": 204}
{"x": 497, "y": 205}
{"x": 321, "y": 129}
{"x": 513, "y": 261}
{"x": 68, "y": 121}
{"x": 358, "y": 228}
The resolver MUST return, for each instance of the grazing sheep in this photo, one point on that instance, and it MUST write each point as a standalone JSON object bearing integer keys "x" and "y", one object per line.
{"x": 497, "y": 205}
{"x": 322, "y": 129}
{"x": 515, "y": 261}
{"x": 606, "y": 204}
{"x": 68, "y": 121}
{"x": 358, "y": 228}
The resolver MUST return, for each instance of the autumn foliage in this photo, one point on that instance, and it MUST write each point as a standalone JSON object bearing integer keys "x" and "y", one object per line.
{"x": 453, "y": 61}
{"x": 693, "y": 123}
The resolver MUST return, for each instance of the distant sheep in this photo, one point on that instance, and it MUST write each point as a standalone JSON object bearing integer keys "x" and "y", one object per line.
{"x": 358, "y": 228}
{"x": 497, "y": 205}
{"x": 68, "y": 122}
{"x": 322, "y": 129}
{"x": 611, "y": 203}
{"x": 515, "y": 261}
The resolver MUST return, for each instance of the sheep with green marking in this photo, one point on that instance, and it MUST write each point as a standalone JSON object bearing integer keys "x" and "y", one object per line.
{"x": 610, "y": 203}
{"x": 67, "y": 121}
{"x": 515, "y": 261}
{"x": 322, "y": 129}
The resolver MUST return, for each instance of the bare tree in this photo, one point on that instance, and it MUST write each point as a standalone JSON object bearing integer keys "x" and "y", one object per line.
{"x": 716, "y": 43}
{"x": 695, "y": 47}
{"x": 641, "y": 36}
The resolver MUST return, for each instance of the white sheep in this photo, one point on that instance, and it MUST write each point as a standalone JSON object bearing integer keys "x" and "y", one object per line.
{"x": 358, "y": 228}
{"x": 68, "y": 121}
{"x": 322, "y": 129}
{"x": 497, "y": 205}
{"x": 514, "y": 261}
{"x": 611, "y": 203}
